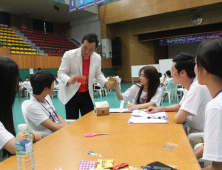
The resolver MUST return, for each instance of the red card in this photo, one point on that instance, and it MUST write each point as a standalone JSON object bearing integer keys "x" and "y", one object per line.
{"x": 81, "y": 79}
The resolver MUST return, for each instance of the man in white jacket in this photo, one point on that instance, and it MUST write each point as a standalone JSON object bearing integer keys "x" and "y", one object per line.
{"x": 85, "y": 62}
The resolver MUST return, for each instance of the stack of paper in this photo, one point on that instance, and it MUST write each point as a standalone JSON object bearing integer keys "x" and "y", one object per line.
{"x": 139, "y": 116}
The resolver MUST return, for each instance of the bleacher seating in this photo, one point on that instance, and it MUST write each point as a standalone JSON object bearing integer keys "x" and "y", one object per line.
{"x": 18, "y": 45}
{"x": 53, "y": 44}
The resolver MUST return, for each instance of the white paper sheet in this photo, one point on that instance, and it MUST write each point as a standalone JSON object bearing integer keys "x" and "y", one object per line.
{"x": 143, "y": 117}
{"x": 117, "y": 110}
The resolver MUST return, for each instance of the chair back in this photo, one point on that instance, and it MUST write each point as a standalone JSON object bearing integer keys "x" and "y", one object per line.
{"x": 119, "y": 80}
{"x": 122, "y": 104}
{"x": 94, "y": 87}
{"x": 29, "y": 125}
{"x": 171, "y": 86}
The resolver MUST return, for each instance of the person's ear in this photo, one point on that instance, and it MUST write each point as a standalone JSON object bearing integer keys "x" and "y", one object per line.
{"x": 183, "y": 72}
{"x": 46, "y": 89}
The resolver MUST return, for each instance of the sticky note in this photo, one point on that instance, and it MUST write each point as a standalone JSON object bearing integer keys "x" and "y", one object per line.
{"x": 111, "y": 81}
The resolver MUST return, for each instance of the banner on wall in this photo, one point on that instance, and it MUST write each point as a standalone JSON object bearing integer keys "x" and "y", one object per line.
{"x": 90, "y": 3}
{"x": 72, "y": 6}
{"x": 81, "y": 5}
{"x": 100, "y": 2}
{"x": 188, "y": 39}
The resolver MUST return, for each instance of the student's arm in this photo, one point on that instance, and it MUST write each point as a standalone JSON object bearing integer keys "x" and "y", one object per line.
{"x": 172, "y": 108}
{"x": 199, "y": 152}
{"x": 10, "y": 146}
{"x": 49, "y": 124}
{"x": 214, "y": 166}
{"x": 61, "y": 119}
{"x": 36, "y": 137}
{"x": 132, "y": 106}
{"x": 181, "y": 116}
{"x": 118, "y": 92}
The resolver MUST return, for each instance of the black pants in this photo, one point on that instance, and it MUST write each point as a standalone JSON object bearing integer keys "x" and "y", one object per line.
{"x": 80, "y": 101}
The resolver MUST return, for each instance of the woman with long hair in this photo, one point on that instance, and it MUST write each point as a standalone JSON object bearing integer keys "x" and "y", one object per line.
{"x": 9, "y": 74}
{"x": 144, "y": 94}
{"x": 209, "y": 72}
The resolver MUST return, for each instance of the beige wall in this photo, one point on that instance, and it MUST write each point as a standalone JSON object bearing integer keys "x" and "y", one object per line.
{"x": 140, "y": 16}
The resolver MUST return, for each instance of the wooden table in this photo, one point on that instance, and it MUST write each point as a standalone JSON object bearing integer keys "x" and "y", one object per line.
{"x": 136, "y": 144}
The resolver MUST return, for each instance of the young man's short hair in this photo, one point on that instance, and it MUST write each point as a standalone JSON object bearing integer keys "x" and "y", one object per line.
{"x": 91, "y": 38}
{"x": 168, "y": 73}
{"x": 185, "y": 61}
{"x": 40, "y": 80}
{"x": 26, "y": 77}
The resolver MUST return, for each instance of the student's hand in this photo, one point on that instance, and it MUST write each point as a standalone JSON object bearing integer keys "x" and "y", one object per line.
{"x": 152, "y": 109}
{"x": 131, "y": 106}
{"x": 72, "y": 79}
{"x": 116, "y": 83}
{"x": 37, "y": 137}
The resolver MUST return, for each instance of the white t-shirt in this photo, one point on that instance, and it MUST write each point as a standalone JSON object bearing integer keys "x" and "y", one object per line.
{"x": 194, "y": 101}
{"x": 133, "y": 91}
{"x": 167, "y": 81}
{"x": 37, "y": 114}
{"x": 5, "y": 136}
{"x": 213, "y": 130}
{"x": 26, "y": 82}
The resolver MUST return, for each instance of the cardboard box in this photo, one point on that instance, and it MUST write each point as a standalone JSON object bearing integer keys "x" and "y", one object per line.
{"x": 102, "y": 108}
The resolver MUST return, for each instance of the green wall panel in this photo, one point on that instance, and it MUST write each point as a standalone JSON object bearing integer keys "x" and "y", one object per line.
{"x": 110, "y": 71}
{"x": 25, "y": 72}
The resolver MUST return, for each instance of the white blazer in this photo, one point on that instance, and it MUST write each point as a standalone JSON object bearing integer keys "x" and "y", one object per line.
{"x": 72, "y": 65}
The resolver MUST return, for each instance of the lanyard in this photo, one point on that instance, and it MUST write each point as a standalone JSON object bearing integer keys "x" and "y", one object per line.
{"x": 218, "y": 93}
{"x": 47, "y": 109}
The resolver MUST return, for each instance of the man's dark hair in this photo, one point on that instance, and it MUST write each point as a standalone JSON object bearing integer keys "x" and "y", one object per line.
{"x": 39, "y": 68}
{"x": 20, "y": 79}
{"x": 26, "y": 77}
{"x": 185, "y": 61}
{"x": 40, "y": 80}
{"x": 168, "y": 73}
{"x": 91, "y": 38}
{"x": 160, "y": 74}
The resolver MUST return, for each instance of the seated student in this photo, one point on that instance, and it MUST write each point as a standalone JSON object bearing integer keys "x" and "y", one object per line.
{"x": 166, "y": 81}
{"x": 109, "y": 76}
{"x": 144, "y": 94}
{"x": 24, "y": 83}
{"x": 7, "y": 130}
{"x": 167, "y": 77}
{"x": 196, "y": 96}
{"x": 20, "y": 84}
{"x": 209, "y": 73}
{"x": 40, "y": 110}
{"x": 56, "y": 83}
{"x": 160, "y": 76}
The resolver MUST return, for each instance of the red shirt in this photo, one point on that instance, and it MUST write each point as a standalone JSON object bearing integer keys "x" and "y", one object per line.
{"x": 85, "y": 71}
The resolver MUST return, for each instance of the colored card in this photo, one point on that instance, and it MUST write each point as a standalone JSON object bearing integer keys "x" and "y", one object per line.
{"x": 81, "y": 79}
{"x": 111, "y": 81}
